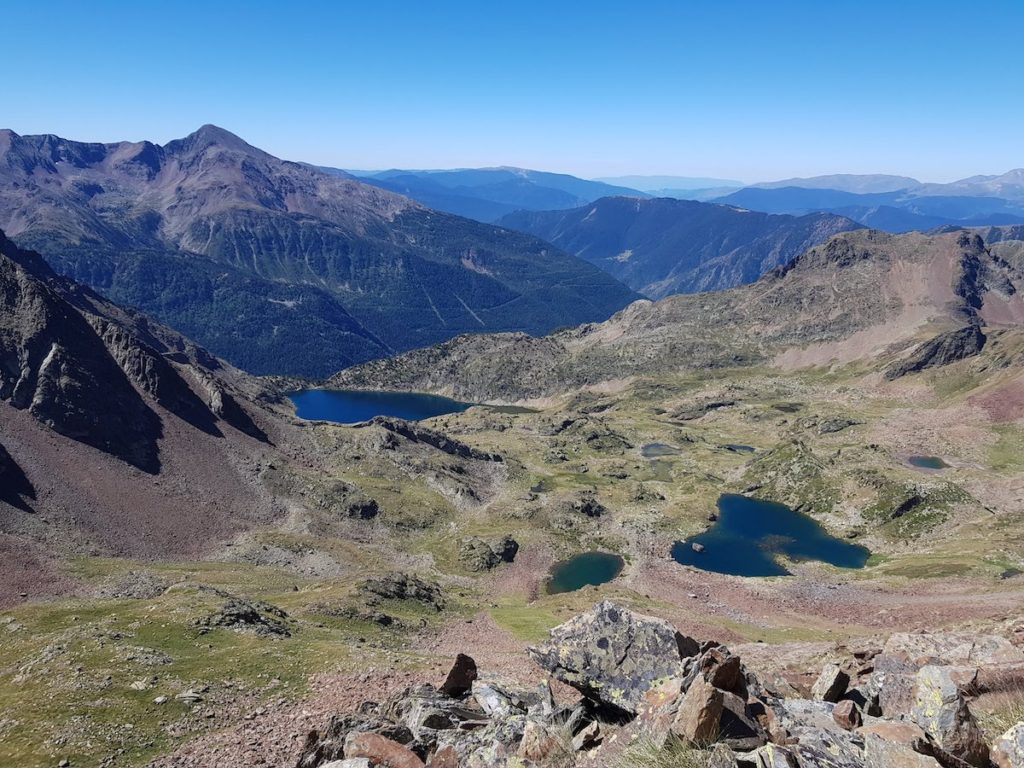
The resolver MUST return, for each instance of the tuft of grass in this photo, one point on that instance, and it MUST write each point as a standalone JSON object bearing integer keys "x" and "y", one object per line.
{"x": 999, "y": 711}
{"x": 675, "y": 753}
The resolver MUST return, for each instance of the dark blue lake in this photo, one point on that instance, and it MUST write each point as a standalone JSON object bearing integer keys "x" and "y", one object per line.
{"x": 588, "y": 568}
{"x": 348, "y": 406}
{"x": 749, "y": 533}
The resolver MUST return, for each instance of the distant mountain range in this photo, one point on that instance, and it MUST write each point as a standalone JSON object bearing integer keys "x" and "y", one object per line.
{"x": 487, "y": 194}
{"x": 893, "y": 203}
{"x": 664, "y": 246}
{"x": 277, "y": 266}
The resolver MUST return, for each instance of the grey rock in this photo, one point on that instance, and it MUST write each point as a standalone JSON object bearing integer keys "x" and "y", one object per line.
{"x": 831, "y": 684}
{"x": 613, "y": 655}
{"x": 1008, "y": 749}
{"x": 941, "y": 710}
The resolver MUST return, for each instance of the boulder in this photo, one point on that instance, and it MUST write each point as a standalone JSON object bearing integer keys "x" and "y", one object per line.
{"x": 739, "y": 728}
{"x": 540, "y": 743}
{"x": 952, "y": 648}
{"x": 828, "y": 748}
{"x": 495, "y": 700}
{"x": 941, "y": 710}
{"x": 847, "y": 715}
{"x": 881, "y": 753}
{"x": 352, "y": 762}
{"x": 588, "y": 737}
{"x": 1008, "y": 750}
{"x": 831, "y": 684}
{"x": 380, "y": 751}
{"x": 460, "y": 678}
{"x": 773, "y": 756}
{"x": 614, "y": 656}
{"x": 445, "y": 757}
{"x": 698, "y": 720}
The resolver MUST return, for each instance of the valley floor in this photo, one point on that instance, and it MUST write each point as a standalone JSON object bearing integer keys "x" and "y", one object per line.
{"x": 193, "y": 663}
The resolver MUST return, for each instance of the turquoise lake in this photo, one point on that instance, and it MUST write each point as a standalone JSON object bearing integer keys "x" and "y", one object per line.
{"x": 586, "y": 569}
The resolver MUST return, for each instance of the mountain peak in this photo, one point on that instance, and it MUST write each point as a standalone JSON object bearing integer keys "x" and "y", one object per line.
{"x": 210, "y": 135}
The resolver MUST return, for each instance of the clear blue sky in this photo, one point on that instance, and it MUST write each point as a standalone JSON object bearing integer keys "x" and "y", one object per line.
{"x": 735, "y": 88}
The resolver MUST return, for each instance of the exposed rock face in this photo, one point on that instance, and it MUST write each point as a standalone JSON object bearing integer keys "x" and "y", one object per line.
{"x": 613, "y": 655}
{"x": 941, "y": 350}
{"x": 417, "y": 434}
{"x": 252, "y": 615}
{"x": 93, "y": 372}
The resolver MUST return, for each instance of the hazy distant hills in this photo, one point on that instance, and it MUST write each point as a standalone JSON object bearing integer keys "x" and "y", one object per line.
{"x": 664, "y": 246}
{"x": 487, "y": 194}
{"x": 846, "y": 182}
{"x": 679, "y": 187}
{"x": 893, "y": 203}
{"x": 277, "y": 266}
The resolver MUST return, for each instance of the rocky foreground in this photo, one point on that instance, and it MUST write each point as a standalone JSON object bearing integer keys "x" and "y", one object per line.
{"x": 650, "y": 696}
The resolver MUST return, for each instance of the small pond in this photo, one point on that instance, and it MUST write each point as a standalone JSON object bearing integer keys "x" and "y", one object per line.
{"x": 653, "y": 450}
{"x": 750, "y": 533}
{"x": 927, "y": 462}
{"x": 588, "y": 568}
{"x": 349, "y": 406}
{"x": 738, "y": 448}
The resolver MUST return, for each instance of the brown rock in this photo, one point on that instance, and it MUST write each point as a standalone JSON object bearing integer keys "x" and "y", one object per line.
{"x": 460, "y": 679}
{"x": 700, "y": 713}
{"x": 847, "y": 715}
{"x": 588, "y": 738}
{"x": 900, "y": 732}
{"x": 881, "y": 753}
{"x": 380, "y": 751}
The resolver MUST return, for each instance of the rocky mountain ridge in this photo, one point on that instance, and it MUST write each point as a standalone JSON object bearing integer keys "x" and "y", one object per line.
{"x": 277, "y": 266}
{"x": 863, "y": 294}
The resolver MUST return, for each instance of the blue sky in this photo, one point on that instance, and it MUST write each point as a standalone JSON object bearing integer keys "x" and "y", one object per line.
{"x": 734, "y": 88}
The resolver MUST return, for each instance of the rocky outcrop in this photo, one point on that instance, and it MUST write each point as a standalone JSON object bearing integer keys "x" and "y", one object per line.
{"x": 614, "y": 656}
{"x": 418, "y": 434}
{"x": 402, "y": 586}
{"x": 940, "y": 350}
{"x": 478, "y": 554}
{"x": 642, "y": 682}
